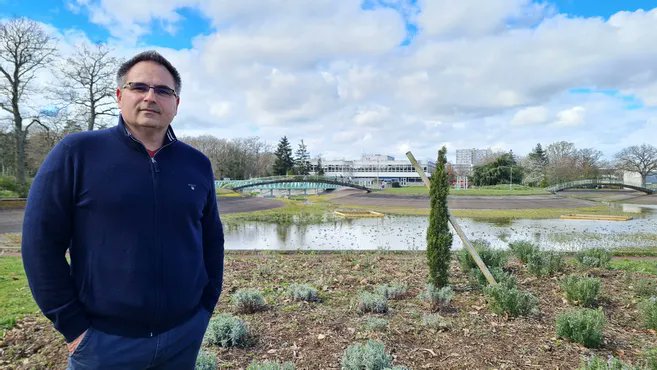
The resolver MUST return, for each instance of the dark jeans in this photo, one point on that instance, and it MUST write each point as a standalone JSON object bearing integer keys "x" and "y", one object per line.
{"x": 175, "y": 349}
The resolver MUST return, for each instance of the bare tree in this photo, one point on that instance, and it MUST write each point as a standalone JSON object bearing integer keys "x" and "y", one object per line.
{"x": 24, "y": 49}
{"x": 87, "y": 81}
{"x": 638, "y": 158}
{"x": 239, "y": 158}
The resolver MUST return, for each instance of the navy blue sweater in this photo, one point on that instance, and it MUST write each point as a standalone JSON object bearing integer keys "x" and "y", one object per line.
{"x": 145, "y": 240}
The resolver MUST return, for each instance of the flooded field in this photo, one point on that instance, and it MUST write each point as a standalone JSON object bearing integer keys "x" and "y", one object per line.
{"x": 409, "y": 233}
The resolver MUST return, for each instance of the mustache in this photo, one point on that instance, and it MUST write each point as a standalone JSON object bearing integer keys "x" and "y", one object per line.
{"x": 151, "y": 108}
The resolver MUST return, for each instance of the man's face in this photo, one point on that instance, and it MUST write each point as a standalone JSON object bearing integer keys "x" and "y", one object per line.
{"x": 147, "y": 109}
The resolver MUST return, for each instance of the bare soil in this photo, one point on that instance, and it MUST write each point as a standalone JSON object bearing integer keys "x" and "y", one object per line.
{"x": 315, "y": 335}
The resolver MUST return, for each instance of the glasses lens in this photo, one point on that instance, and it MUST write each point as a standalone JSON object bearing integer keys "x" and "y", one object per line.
{"x": 138, "y": 87}
{"x": 163, "y": 90}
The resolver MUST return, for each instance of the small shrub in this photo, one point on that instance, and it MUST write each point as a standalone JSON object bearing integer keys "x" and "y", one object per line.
{"x": 393, "y": 291}
{"x": 594, "y": 257}
{"x": 523, "y": 249}
{"x": 478, "y": 279}
{"x": 248, "y": 301}
{"x": 646, "y": 288}
{"x": 303, "y": 292}
{"x": 376, "y": 324}
{"x": 544, "y": 263}
{"x": 506, "y": 299}
{"x": 227, "y": 331}
{"x": 582, "y": 325}
{"x": 650, "y": 359}
{"x": 270, "y": 365}
{"x": 436, "y": 322}
{"x": 598, "y": 363}
{"x": 9, "y": 183}
{"x": 437, "y": 297}
{"x": 371, "y": 356}
{"x": 205, "y": 361}
{"x": 580, "y": 290}
{"x": 491, "y": 257}
{"x": 8, "y": 194}
{"x": 648, "y": 310}
{"x": 371, "y": 302}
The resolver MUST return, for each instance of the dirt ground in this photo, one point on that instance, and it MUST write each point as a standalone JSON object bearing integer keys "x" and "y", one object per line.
{"x": 315, "y": 335}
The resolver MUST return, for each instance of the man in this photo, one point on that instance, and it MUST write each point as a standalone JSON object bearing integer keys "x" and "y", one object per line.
{"x": 137, "y": 211}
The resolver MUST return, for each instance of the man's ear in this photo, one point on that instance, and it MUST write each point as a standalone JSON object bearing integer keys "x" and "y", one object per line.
{"x": 118, "y": 95}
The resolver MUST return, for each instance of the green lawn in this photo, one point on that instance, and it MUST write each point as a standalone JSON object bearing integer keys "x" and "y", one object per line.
{"x": 648, "y": 266}
{"x": 497, "y": 190}
{"x": 532, "y": 213}
{"x": 15, "y": 294}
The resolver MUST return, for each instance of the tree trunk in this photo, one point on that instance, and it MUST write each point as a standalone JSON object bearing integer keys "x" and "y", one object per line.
{"x": 20, "y": 151}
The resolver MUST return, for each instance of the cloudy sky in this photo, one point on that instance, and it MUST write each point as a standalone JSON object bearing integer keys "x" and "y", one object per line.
{"x": 386, "y": 76}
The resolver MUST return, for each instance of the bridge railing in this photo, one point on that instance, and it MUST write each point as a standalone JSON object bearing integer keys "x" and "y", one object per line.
{"x": 291, "y": 178}
{"x": 571, "y": 184}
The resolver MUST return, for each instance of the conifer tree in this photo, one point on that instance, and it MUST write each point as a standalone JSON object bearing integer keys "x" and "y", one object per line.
{"x": 302, "y": 160}
{"x": 283, "y": 162}
{"x": 439, "y": 238}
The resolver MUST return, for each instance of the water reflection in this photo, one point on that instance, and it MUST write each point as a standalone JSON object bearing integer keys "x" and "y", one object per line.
{"x": 409, "y": 233}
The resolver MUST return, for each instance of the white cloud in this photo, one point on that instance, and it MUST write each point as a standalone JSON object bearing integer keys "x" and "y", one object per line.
{"x": 373, "y": 116}
{"x": 530, "y": 116}
{"x": 477, "y": 74}
{"x": 571, "y": 117}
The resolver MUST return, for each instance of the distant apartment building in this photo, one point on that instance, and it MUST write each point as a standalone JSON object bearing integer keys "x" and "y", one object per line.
{"x": 467, "y": 158}
{"x": 373, "y": 169}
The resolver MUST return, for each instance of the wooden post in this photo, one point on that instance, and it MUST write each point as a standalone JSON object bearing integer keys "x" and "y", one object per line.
{"x": 466, "y": 243}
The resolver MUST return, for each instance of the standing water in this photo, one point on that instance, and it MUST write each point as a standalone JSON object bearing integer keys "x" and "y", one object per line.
{"x": 401, "y": 233}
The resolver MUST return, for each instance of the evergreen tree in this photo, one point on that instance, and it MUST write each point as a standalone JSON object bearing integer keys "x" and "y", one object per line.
{"x": 439, "y": 238}
{"x": 302, "y": 160}
{"x": 502, "y": 170}
{"x": 283, "y": 162}
{"x": 536, "y": 167}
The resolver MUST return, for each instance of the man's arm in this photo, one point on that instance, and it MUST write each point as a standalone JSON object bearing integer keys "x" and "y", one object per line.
{"x": 47, "y": 229}
{"x": 213, "y": 251}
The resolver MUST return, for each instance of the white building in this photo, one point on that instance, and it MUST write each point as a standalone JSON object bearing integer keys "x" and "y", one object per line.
{"x": 634, "y": 178}
{"x": 473, "y": 156}
{"x": 374, "y": 169}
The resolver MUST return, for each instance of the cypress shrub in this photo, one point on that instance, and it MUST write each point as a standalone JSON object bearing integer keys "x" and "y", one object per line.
{"x": 439, "y": 238}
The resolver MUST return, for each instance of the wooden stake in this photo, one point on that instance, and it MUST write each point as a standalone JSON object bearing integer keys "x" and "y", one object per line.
{"x": 466, "y": 243}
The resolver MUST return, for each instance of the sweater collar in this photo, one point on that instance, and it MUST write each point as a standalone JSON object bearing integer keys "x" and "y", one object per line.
{"x": 169, "y": 137}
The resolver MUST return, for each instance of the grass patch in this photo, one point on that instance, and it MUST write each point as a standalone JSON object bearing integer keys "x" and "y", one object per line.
{"x": 643, "y": 252}
{"x": 647, "y": 266}
{"x": 536, "y": 213}
{"x": 227, "y": 193}
{"x": 496, "y": 190}
{"x": 15, "y": 294}
{"x": 294, "y": 212}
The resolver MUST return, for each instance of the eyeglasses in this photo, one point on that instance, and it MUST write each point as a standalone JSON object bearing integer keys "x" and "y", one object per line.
{"x": 142, "y": 88}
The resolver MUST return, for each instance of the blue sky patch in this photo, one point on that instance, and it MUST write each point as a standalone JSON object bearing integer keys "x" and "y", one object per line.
{"x": 631, "y": 101}
{"x": 601, "y": 8}
{"x": 191, "y": 24}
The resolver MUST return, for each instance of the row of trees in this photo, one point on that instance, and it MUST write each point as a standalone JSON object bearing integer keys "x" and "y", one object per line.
{"x": 80, "y": 96}
{"x": 286, "y": 164}
{"x": 562, "y": 162}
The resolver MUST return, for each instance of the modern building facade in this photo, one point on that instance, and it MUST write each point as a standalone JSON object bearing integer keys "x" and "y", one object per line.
{"x": 465, "y": 160}
{"x": 375, "y": 169}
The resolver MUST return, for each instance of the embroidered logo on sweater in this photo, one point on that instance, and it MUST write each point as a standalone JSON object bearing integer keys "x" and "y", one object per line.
{"x": 192, "y": 186}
